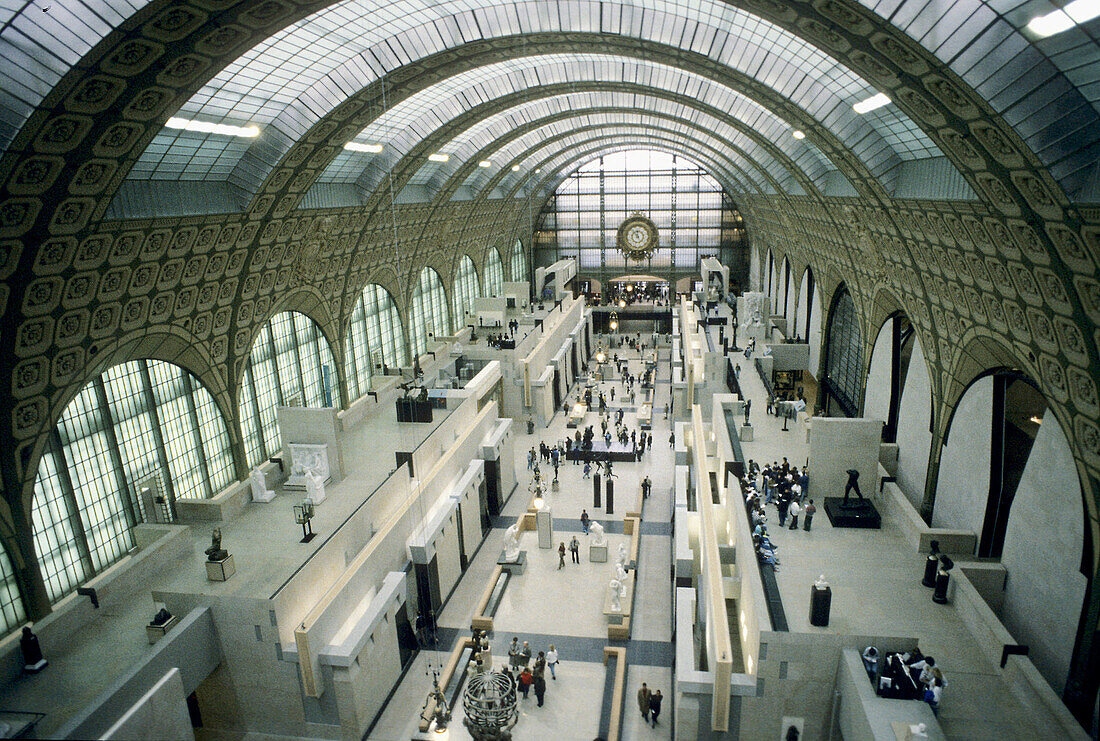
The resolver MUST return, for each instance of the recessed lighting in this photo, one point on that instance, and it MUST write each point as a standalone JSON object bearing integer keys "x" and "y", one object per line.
{"x": 206, "y": 127}
{"x": 357, "y": 147}
{"x": 798, "y": 134}
{"x": 875, "y": 101}
{"x": 485, "y": 163}
{"x": 515, "y": 168}
{"x": 1056, "y": 21}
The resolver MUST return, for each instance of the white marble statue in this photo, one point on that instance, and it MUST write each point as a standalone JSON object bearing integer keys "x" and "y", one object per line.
{"x": 315, "y": 487}
{"x": 622, "y": 557}
{"x": 620, "y": 573}
{"x": 260, "y": 492}
{"x": 616, "y": 595}
{"x": 599, "y": 537}
{"x": 511, "y": 542}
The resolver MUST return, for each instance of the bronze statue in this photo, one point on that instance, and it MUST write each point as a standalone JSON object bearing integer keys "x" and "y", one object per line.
{"x": 215, "y": 551}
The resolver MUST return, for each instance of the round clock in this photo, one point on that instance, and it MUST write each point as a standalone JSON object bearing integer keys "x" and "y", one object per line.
{"x": 637, "y": 238}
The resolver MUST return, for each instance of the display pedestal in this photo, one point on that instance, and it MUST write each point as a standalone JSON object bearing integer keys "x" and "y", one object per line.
{"x": 516, "y": 567}
{"x": 597, "y": 553}
{"x": 545, "y": 526}
{"x": 156, "y": 632}
{"x": 221, "y": 570}
{"x": 746, "y": 433}
{"x": 615, "y": 617}
{"x": 821, "y": 599}
{"x": 856, "y": 513}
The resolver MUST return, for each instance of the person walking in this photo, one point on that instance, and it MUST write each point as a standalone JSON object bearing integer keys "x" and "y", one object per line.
{"x": 552, "y": 661}
{"x": 540, "y": 664}
{"x": 672, "y": 440}
{"x": 584, "y": 521}
{"x": 525, "y": 680}
{"x": 809, "y": 510}
{"x": 643, "y": 702}
{"x": 561, "y": 556}
{"x": 575, "y": 549}
{"x": 654, "y": 706}
{"x": 540, "y": 688}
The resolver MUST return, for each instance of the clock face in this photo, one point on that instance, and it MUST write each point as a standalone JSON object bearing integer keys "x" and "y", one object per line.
{"x": 637, "y": 238}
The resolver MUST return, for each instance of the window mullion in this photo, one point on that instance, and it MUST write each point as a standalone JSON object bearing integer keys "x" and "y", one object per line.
{"x": 68, "y": 494}
{"x": 112, "y": 448}
{"x": 158, "y": 435}
{"x": 196, "y": 434}
{"x": 275, "y": 365}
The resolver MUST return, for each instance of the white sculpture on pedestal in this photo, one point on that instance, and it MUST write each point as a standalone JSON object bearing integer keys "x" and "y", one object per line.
{"x": 620, "y": 573}
{"x": 511, "y": 542}
{"x": 622, "y": 558}
{"x": 315, "y": 487}
{"x": 616, "y": 595}
{"x": 599, "y": 538}
{"x": 260, "y": 492}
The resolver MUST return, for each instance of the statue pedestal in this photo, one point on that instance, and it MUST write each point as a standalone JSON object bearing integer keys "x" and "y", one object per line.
{"x": 597, "y": 553}
{"x": 746, "y": 433}
{"x": 262, "y": 495}
{"x": 221, "y": 570}
{"x": 156, "y": 632}
{"x": 515, "y": 567}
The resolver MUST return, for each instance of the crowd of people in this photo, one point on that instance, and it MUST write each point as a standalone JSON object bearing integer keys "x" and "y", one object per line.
{"x": 785, "y": 486}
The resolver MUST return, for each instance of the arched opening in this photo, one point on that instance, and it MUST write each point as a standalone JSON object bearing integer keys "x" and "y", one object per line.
{"x": 808, "y": 318}
{"x": 428, "y": 315}
{"x": 375, "y": 341}
{"x": 890, "y": 359}
{"x": 1007, "y": 474}
{"x": 464, "y": 291}
{"x": 518, "y": 263}
{"x": 135, "y": 439}
{"x": 692, "y": 214}
{"x": 840, "y": 386}
{"x": 291, "y": 364}
{"x": 492, "y": 281}
{"x": 12, "y": 611}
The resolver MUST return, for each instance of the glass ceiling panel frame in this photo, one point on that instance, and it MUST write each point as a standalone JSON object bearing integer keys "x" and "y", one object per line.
{"x": 732, "y": 167}
{"x": 281, "y": 86}
{"x": 708, "y": 130}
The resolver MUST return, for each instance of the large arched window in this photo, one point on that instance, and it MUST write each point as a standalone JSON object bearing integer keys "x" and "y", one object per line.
{"x": 140, "y": 419}
{"x": 464, "y": 291}
{"x": 693, "y": 216}
{"x": 375, "y": 338}
{"x": 12, "y": 612}
{"x": 518, "y": 262}
{"x": 844, "y": 357}
{"x": 492, "y": 281}
{"x": 291, "y": 364}
{"x": 428, "y": 315}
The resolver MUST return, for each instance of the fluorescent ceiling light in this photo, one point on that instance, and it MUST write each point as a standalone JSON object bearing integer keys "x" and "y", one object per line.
{"x": 1056, "y": 21}
{"x": 357, "y": 147}
{"x": 515, "y": 168}
{"x": 875, "y": 101}
{"x": 798, "y": 134}
{"x": 485, "y": 163}
{"x": 206, "y": 127}
{"x": 438, "y": 157}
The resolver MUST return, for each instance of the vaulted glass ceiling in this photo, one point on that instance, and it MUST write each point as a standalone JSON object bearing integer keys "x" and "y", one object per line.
{"x": 1048, "y": 89}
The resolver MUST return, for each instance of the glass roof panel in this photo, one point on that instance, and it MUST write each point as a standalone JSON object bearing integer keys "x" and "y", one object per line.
{"x": 296, "y": 75}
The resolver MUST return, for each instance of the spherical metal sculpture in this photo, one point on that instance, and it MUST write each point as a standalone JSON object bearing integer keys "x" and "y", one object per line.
{"x": 489, "y": 702}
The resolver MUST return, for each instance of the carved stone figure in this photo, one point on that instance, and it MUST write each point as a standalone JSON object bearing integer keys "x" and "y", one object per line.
{"x": 315, "y": 488}
{"x": 598, "y": 536}
{"x": 616, "y": 595}
{"x": 260, "y": 492}
{"x": 620, "y": 573}
{"x": 215, "y": 552}
{"x": 622, "y": 557}
{"x": 511, "y": 542}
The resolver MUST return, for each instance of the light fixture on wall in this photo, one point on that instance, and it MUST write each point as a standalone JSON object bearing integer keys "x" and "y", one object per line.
{"x": 438, "y": 157}
{"x": 358, "y": 147}
{"x": 206, "y": 127}
{"x": 485, "y": 163}
{"x": 798, "y": 134}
